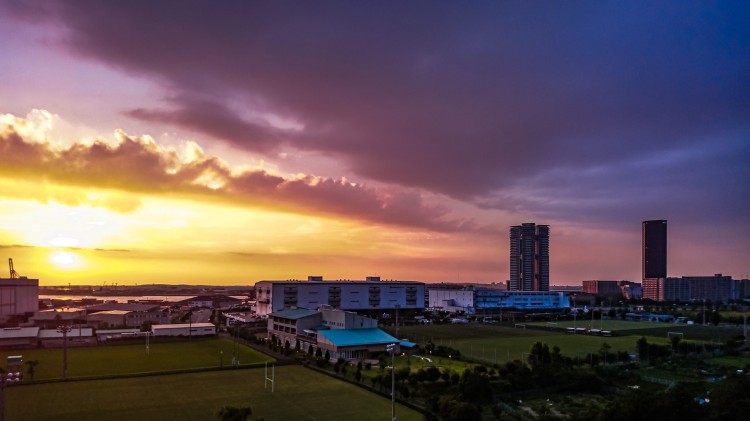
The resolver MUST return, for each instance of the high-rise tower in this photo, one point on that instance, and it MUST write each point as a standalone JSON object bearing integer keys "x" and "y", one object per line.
{"x": 529, "y": 257}
{"x": 655, "y": 249}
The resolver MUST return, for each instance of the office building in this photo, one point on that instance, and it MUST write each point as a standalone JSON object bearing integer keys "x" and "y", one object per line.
{"x": 717, "y": 288}
{"x": 370, "y": 294}
{"x": 654, "y": 249}
{"x": 529, "y": 257}
{"x": 609, "y": 289}
{"x": 471, "y": 300}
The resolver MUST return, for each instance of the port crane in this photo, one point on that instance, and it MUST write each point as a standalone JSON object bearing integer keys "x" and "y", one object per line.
{"x": 13, "y": 273}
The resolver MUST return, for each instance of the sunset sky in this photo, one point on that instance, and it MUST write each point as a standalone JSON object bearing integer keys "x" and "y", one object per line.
{"x": 230, "y": 142}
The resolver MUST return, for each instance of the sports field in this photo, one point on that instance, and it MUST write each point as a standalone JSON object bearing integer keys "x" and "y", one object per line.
{"x": 300, "y": 394}
{"x": 132, "y": 359}
{"x": 498, "y": 344}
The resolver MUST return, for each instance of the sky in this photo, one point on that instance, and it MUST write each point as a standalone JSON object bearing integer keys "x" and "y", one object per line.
{"x": 231, "y": 142}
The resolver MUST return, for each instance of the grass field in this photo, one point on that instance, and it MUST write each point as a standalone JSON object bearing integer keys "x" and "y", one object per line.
{"x": 131, "y": 359}
{"x": 611, "y": 325}
{"x": 300, "y": 394}
{"x": 499, "y": 344}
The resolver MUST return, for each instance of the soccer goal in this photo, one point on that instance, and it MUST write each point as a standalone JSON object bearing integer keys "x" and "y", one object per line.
{"x": 671, "y": 335}
{"x": 520, "y": 326}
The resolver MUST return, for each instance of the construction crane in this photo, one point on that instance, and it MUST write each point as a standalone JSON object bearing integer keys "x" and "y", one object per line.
{"x": 13, "y": 273}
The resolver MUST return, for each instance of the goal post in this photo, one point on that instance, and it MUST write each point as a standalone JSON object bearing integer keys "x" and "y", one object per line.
{"x": 269, "y": 379}
{"x": 671, "y": 335}
{"x": 520, "y": 326}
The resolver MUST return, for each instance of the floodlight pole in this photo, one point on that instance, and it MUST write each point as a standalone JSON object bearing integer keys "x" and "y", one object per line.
{"x": 65, "y": 329}
{"x": 392, "y": 349}
{"x": 397, "y": 307}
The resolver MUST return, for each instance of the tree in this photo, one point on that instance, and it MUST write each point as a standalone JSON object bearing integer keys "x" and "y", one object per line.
{"x": 675, "y": 342}
{"x": 319, "y": 353}
{"x": 31, "y": 368}
{"x": 327, "y": 357}
{"x": 642, "y": 348}
{"x": 715, "y": 318}
{"x": 232, "y": 413}
{"x": 432, "y": 373}
{"x": 453, "y": 410}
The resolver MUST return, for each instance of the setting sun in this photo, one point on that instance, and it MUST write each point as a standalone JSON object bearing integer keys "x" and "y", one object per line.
{"x": 65, "y": 260}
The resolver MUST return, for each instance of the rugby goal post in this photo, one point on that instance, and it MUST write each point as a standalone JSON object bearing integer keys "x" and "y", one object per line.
{"x": 671, "y": 335}
{"x": 270, "y": 379}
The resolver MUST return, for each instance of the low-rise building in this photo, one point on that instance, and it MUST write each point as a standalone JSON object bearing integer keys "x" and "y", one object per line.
{"x": 54, "y": 317}
{"x": 134, "y": 314}
{"x": 343, "y": 334}
{"x": 184, "y": 329}
{"x": 18, "y": 337}
{"x": 717, "y": 288}
{"x": 210, "y": 301}
{"x": 107, "y": 319}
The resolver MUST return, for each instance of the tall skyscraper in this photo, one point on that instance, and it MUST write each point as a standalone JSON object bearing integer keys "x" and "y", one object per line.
{"x": 529, "y": 257}
{"x": 655, "y": 249}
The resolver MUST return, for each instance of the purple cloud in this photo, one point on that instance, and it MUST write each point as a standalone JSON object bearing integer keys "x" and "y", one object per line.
{"x": 482, "y": 102}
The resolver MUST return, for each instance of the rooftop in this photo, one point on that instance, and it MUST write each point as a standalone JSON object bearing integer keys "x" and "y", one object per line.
{"x": 19, "y": 332}
{"x": 110, "y": 312}
{"x": 123, "y": 307}
{"x": 293, "y": 313}
{"x": 183, "y": 326}
{"x": 354, "y": 337}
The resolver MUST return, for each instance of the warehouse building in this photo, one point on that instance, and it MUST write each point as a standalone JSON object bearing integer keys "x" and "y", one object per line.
{"x": 184, "y": 329}
{"x": 370, "y": 294}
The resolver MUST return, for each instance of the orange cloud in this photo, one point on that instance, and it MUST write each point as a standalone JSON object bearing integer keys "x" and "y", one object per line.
{"x": 140, "y": 165}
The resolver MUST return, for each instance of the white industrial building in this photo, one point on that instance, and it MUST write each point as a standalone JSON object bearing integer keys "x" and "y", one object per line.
{"x": 370, "y": 294}
{"x": 452, "y": 300}
{"x": 184, "y": 329}
{"x": 471, "y": 299}
{"x": 18, "y": 296}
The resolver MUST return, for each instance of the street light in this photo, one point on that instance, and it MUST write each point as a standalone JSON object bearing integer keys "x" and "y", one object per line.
{"x": 7, "y": 379}
{"x": 392, "y": 350}
{"x": 65, "y": 329}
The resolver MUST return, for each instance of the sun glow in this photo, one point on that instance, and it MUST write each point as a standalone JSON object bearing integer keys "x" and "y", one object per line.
{"x": 65, "y": 259}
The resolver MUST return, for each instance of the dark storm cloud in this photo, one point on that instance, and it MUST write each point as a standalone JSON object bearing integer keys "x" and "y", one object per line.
{"x": 213, "y": 119}
{"x": 480, "y": 101}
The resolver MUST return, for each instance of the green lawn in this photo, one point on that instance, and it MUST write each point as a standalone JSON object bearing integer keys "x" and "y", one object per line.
{"x": 300, "y": 394}
{"x": 130, "y": 359}
{"x": 500, "y": 344}
{"x": 611, "y": 325}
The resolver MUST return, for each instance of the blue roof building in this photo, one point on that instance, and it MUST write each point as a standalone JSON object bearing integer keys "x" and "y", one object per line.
{"x": 342, "y": 333}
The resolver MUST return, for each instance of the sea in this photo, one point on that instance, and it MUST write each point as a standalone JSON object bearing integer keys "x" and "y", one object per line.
{"x": 126, "y": 298}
